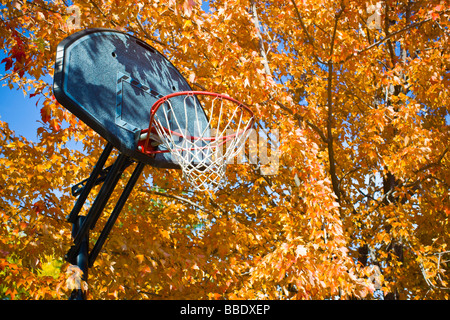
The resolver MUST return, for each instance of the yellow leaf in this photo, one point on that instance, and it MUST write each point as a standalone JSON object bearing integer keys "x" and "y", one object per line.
{"x": 140, "y": 258}
{"x": 187, "y": 24}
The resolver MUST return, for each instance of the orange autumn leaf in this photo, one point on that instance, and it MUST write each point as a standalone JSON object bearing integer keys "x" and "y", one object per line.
{"x": 355, "y": 116}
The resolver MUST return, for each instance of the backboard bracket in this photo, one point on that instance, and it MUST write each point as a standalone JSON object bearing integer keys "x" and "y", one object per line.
{"x": 123, "y": 79}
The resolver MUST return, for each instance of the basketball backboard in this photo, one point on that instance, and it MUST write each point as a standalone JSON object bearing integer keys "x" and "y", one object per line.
{"x": 110, "y": 80}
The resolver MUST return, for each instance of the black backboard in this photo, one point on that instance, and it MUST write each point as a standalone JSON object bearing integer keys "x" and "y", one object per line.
{"x": 110, "y": 80}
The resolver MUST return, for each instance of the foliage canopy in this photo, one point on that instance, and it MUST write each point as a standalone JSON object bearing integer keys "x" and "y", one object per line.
{"x": 358, "y": 208}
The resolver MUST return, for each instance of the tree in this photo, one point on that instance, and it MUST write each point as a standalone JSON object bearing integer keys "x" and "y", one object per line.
{"x": 358, "y": 208}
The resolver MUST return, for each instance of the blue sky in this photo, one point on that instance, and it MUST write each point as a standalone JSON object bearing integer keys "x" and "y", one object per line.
{"x": 18, "y": 111}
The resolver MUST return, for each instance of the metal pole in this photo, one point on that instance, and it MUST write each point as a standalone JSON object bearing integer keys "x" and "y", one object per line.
{"x": 79, "y": 252}
{"x": 90, "y": 183}
{"x": 115, "y": 213}
{"x": 81, "y": 259}
{"x": 98, "y": 205}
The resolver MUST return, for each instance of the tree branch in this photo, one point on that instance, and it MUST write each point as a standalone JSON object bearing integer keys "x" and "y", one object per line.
{"x": 261, "y": 43}
{"x": 267, "y": 67}
{"x": 302, "y": 24}
{"x": 333, "y": 37}
{"x": 300, "y": 118}
{"x": 417, "y": 24}
{"x": 103, "y": 14}
{"x": 334, "y": 179}
{"x": 147, "y": 36}
{"x": 175, "y": 197}
{"x": 331, "y": 158}
{"x": 172, "y": 196}
{"x": 386, "y": 32}
{"x": 430, "y": 165}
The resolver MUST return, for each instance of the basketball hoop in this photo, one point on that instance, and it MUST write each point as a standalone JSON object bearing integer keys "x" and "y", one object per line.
{"x": 122, "y": 119}
{"x": 202, "y": 155}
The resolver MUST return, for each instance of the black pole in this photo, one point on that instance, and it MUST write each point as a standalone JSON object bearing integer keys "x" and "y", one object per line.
{"x": 115, "y": 213}
{"x": 98, "y": 205}
{"x": 81, "y": 259}
{"x": 90, "y": 183}
{"x": 79, "y": 251}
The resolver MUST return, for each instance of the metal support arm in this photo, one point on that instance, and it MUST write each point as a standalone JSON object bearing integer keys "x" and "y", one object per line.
{"x": 79, "y": 252}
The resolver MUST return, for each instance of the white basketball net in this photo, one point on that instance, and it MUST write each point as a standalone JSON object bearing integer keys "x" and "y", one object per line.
{"x": 204, "y": 154}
